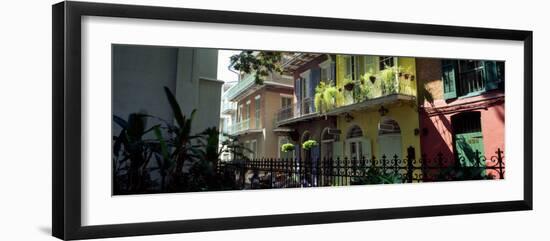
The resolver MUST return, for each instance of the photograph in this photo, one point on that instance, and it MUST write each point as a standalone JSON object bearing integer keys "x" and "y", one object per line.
{"x": 189, "y": 119}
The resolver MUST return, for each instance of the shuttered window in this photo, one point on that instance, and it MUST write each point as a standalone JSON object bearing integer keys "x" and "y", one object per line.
{"x": 471, "y": 77}
{"x": 449, "y": 69}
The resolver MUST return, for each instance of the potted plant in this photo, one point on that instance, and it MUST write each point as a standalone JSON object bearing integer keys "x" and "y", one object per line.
{"x": 389, "y": 80}
{"x": 372, "y": 78}
{"x": 325, "y": 97}
{"x": 307, "y": 145}
{"x": 349, "y": 84}
{"x": 287, "y": 147}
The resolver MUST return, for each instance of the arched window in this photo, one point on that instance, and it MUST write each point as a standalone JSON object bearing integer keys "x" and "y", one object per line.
{"x": 305, "y": 136}
{"x": 388, "y": 126}
{"x": 354, "y": 132}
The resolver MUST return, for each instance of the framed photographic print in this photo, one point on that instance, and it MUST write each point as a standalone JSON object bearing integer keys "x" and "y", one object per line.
{"x": 169, "y": 120}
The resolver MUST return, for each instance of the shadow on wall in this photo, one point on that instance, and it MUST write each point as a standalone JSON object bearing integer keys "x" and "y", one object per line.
{"x": 432, "y": 141}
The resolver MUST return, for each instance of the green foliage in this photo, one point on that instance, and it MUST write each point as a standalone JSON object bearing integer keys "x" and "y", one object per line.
{"x": 389, "y": 80}
{"x": 369, "y": 85}
{"x": 325, "y": 97}
{"x": 307, "y": 145}
{"x": 374, "y": 175}
{"x": 349, "y": 84}
{"x": 132, "y": 154}
{"x": 261, "y": 63}
{"x": 287, "y": 147}
{"x": 185, "y": 161}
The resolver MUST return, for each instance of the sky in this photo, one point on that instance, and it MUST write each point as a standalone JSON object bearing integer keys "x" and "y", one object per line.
{"x": 223, "y": 62}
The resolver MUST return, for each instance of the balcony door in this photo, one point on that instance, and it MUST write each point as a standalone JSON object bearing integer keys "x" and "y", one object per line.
{"x": 354, "y": 143}
{"x": 389, "y": 139}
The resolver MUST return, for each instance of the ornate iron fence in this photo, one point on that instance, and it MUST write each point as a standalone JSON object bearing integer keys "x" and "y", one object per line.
{"x": 286, "y": 173}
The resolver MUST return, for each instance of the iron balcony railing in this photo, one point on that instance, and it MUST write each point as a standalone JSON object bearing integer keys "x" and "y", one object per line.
{"x": 241, "y": 126}
{"x": 228, "y": 107}
{"x": 295, "y": 110}
{"x": 404, "y": 84}
{"x": 240, "y": 87}
{"x": 244, "y": 125}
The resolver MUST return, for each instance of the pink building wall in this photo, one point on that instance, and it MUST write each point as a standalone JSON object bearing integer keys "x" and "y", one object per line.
{"x": 436, "y": 133}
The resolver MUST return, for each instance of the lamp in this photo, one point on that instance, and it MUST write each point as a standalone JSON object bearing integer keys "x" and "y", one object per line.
{"x": 348, "y": 117}
{"x": 383, "y": 111}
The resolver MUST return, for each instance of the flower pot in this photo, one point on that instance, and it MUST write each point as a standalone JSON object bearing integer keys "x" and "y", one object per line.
{"x": 407, "y": 76}
{"x": 412, "y": 77}
{"x": 400, "y": 74}
{"x": 349, "y": 86}
{"x": 372, "y": 79}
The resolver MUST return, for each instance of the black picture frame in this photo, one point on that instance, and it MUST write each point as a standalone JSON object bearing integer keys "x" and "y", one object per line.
{"x": 66, "y": 47}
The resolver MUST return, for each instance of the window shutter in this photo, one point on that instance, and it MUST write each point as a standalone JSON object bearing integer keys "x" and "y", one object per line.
{"x": 337, "y": 150}
{"x": 315, "y": 79}
{"x": 298, "y": 93}
{"x": 449, "y": 72}
{"x": 491, "y": 75}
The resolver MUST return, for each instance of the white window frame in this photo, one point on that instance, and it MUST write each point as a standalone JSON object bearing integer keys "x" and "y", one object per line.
{"x": 240, "y": 113}
{"x": 325, "y": 66}
{"x": 248, "y": 110}
{"x": 257, "y": 113}
{"x": 358, "y": 141}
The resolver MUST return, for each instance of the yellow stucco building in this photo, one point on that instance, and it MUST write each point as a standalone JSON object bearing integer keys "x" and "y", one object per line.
{"x": 378, "y": 116}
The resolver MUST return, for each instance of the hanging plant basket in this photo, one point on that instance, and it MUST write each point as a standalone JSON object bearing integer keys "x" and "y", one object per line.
{"x": 287, "y": 147}
{"x": 349, "y": 86}
{"x": 372, "y": 79}
{"x": 307, "y": 145}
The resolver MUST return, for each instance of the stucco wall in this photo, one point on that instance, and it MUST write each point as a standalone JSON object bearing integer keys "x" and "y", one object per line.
{"x": 436, "y": 113}
{"x": 438, "y": 135}
{"x": 430, "y": 86}
{"x": 270, "y": 103}
{"x": 138, "y": 77}
{"x": 141, "y": 72}
{"x": 405, "y": 115}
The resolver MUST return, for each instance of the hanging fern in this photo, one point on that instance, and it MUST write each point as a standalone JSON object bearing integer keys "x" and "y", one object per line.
{"x": 325, "y": 97}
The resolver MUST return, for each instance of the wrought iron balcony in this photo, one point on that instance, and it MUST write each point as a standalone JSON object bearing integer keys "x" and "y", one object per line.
{"x": 228, "y": 107}
{"x": 302, "y": 109}
{"x": 378, "y": 87}
{"x": 245, "y": 126}
{"x": 242, "y": 86}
